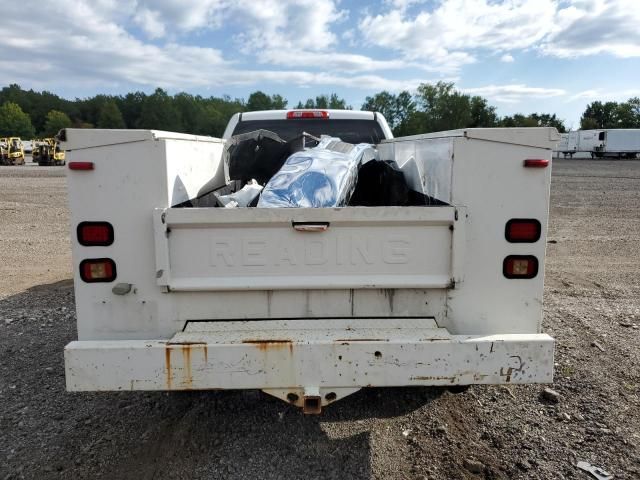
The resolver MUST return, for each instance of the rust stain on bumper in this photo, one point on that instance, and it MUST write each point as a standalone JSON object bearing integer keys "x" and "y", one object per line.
{"x": 186, "y": 382}
{"x": 270, "y": 344}
{"x": 167, "y": 365}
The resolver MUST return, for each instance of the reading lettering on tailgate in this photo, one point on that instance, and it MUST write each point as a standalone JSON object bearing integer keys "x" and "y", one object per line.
{"x": 355, "y": 250}
{"x": 364, "y": 253}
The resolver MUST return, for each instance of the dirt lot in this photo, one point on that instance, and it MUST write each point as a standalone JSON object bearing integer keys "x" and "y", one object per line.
{"x": 592, "y": 307}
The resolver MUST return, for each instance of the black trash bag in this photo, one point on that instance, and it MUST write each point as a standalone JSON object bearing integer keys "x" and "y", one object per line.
{"x": 255, "y": 155}
{"x": 380, "y": 184}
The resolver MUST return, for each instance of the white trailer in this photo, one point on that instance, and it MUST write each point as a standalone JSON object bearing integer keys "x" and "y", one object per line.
{"x": 569, "y": 146}
{"x": 308, "y": 305}
{"x": 589, "y": 140}
{"x": 563, "y": 146}
{"x": 580, "y": 141}
{"x": 618, "y": 143}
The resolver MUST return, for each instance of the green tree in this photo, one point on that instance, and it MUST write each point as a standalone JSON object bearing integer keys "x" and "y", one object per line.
{"x": 131, "y": 107}
{"x": 158, "y": 112}
{"x": 14, "y": 122}
{"x": 189, "y": 108}
{"x": 55, "y": 122}
{"x": 210, "y": 122}
{"x": 483, "y": 115}
{"x": 278, "y": 102}
{"x": 258, "y": 101}
{"x": 384, "y": 103}
{"x": 37, "y": 104}
{"x": 604, "y": 115}
{"x": 396, "y": 109}
{"x": 261, "y": 101}
{"x": 634, "y": 104}
{"x": 310, "y": 103}
{"x": 337, "y": 103}
{"x": 518, "y": 120}
{"x": 110, "y": 116}
{"x": 549, "y": 120}
{"x": 588, "y": 123}
{"x": 443, "y": 106}
{"x": 625, "y": 115}
{"x": 533, "y": 120}
{"x": 325, "y": 101}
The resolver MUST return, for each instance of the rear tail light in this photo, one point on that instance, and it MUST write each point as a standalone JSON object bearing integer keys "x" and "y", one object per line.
{"x": 95, "y": 234}
{"x": 307, "y": 114}
{"x": 80, "y": 165}
{"x": 96, "y": 270}
{"x": 520, "y": 266}
{"x": 536, "y": 163}
{"x": 523, "y": 230}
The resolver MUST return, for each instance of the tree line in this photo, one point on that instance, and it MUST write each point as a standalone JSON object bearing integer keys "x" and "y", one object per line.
{"x": 604, "y": 115}
{"x": 433, "y": 107}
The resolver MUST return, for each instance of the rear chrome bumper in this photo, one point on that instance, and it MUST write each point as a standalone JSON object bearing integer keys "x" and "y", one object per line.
{"x": 286, "y": 357}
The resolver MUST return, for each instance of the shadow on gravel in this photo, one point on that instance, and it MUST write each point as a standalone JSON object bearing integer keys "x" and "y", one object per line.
{"x": 46, "y": 432}
{"x": 251, "y": 435}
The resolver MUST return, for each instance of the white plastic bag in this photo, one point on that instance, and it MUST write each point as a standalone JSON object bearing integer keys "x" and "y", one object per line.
{"x": 242, "y": 197}
{"x": 323, "y": 176}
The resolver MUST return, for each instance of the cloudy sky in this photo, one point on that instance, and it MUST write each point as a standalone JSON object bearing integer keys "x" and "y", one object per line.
{"x": 524, "y": 55}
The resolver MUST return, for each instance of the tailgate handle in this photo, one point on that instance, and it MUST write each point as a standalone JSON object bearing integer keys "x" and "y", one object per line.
{"x": 310, "y": 226}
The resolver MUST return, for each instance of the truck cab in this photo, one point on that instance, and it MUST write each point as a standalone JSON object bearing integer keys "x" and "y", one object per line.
{"x": 308, "y": 304}
{"x": 351, "y": 126}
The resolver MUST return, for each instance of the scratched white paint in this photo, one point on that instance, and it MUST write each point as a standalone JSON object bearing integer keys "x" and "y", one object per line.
{"x": 291, "y": 355}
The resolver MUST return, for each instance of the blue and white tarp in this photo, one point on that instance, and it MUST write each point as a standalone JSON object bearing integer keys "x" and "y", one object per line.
{"x": 319, "y": 177}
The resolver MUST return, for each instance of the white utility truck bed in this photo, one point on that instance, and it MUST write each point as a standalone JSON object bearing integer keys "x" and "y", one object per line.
{"x": 308, "y": 304}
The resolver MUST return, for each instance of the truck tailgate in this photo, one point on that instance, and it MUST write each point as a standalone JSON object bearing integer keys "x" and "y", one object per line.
{"x": 258, "y": 249}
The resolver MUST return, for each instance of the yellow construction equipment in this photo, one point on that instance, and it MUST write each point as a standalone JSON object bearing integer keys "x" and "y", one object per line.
{"x": 11, "y": 151}
{"x": 16, "y": 151}
{"x": 48, "y": 152}
{"x": 35, "y": 150}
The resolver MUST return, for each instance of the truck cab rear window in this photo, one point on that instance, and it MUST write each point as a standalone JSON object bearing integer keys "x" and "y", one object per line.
{"x": 350, "y": 131}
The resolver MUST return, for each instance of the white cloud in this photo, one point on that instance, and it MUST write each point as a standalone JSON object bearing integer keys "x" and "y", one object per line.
{"x": 150, "y": 22}
{"x": 299, "y": 42}
{"x": 590, "y": 27}
{"x": 449, "y": 35}
{"x": 186, "y": 15}
{"x": 341, "y": 62}
{"x": 97, "y": 51}
{"x": 514, "y": 93}
{"x": 456, "y": 32}
{"x": 605, "y": 95}
{"x": 403, "y": 4}
{"x": 84, "y": 44}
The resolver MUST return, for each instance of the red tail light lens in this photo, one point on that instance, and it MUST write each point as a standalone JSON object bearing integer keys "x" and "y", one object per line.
{"x": 520, "y": 266}
{"x": 80, "y": 165}
{"x": 95, "y": 234}
{"x": 96, "y": 270}
{"x": 523, "y": 230}
{"x": 536, "y": 163}
{"x": 307, "y": 114}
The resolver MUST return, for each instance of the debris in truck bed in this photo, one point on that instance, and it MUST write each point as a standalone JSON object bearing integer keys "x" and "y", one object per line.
{"x": 331, "y": 173}
{"x": 323, "y": 176}
{"x": 255, "y": 155}
{"x": 243, "y": 197}
{"x": 379, "y": 184}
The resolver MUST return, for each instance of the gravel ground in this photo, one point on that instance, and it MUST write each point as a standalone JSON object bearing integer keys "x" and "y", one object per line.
{"x": 592, "y": 307}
